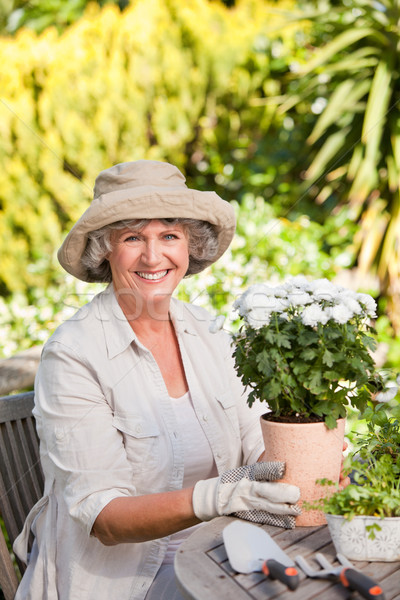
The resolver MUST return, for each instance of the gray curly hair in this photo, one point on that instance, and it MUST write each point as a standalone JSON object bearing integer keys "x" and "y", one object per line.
{"x": 202, "y": 241}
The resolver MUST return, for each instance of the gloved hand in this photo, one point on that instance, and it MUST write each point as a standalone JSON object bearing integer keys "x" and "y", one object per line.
{"x": 250, "y": 493}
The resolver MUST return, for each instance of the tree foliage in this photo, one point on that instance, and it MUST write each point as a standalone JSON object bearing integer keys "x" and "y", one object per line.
{"x": 349, "y": 79}
{"x": 166, "y": 80}
{"x": 39, "y": 14}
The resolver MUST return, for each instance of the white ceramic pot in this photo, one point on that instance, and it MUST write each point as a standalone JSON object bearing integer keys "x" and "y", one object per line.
{"x": 351, "y": 538}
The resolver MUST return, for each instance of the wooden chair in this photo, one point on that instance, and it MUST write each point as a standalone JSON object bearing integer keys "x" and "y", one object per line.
{"x": 21, "y": 479}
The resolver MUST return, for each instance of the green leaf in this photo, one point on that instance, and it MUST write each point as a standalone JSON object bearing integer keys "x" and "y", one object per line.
{"x": 377, "y": 106}
{"x": 328, "y": 358}
{"x": 393, "y": 174}
{"x": 264, "y": 363}
{"x": 388, "y": 252}
{"x": 309, "y": 354}
{"x": 272, "y": 390}
{"x": 342, "y": 42}
{"x": 358, "y": 60}
{"x": 355, "y": 162}
{"x": 300, "y": 367}
{"x": 364, "y": 182}
{"x": 343, "y": 98}
{"x": 395, "y": 140}
{"x": 283, "y": 340}
{"x": 314, "y": 384}
{"x": 307, "y": 337}
{"x": 330, "y": 422}
{"x": 332, "y": 375}
{"x": 325, "y": 155}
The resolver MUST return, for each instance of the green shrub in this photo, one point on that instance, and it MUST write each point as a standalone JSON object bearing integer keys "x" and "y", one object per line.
{"x": 174, "y": 81}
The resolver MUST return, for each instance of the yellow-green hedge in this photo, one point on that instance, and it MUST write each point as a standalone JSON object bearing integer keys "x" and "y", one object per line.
{"x": 165, "y": 79}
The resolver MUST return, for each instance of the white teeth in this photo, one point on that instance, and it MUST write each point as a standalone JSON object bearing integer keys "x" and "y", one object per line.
{"x": 152, "y": 276}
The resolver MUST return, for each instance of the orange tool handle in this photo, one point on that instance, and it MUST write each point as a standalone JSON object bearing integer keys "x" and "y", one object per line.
{"x": 276, "y": 570}
{"x": 367, "y": 587}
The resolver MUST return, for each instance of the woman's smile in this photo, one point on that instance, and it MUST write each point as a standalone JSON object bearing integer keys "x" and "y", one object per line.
{"x": 152, "y": 276}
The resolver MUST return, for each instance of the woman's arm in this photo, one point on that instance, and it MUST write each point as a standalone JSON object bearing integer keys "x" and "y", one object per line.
{"x": 143, "y": 518}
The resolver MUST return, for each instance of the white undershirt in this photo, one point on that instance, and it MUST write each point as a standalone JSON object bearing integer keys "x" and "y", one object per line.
{"x": 198, "y": 460}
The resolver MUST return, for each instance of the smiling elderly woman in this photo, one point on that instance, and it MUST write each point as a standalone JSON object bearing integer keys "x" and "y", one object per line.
{"x": 143, "y": 423}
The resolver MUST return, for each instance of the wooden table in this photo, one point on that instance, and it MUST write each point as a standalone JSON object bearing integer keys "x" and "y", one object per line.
{"x": 203, "y": 571}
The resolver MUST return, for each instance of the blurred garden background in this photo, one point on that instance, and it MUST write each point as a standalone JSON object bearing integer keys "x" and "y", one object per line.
{"x": 289, "y": 109}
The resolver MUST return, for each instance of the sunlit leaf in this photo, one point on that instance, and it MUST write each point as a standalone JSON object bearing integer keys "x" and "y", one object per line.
{"x": 341, "y": 42}
{"x": 377, "y": 107}
{"x": 395, "y": 140}
{"x": 325, "y": 155}
{"x": 355, "y": 162}
{"x": 393, "y": 173}
{"x": 357, "y": 61}
{"x": 344, "y": 97}
{"x": 388, "y": 256}
{"x": 364, "y": 182}
{"x": 373, "y": 226}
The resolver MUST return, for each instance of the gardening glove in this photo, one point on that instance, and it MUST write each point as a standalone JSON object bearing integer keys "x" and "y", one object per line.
{"x": 250, "y": 493}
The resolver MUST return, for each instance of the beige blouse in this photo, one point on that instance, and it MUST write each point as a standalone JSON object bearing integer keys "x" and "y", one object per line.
{"x": 107, "y": 429}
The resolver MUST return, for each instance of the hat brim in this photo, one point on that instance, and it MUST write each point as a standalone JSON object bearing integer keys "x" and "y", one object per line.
{"x": 147, "y": 202}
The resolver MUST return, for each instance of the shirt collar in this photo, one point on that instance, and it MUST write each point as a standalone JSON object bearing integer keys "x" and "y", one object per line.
{"x": 180, "y": 314}
{"x": 117, "y": 331}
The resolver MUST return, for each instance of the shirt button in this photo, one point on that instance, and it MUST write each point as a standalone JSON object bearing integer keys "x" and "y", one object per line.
{"x": 205, "y": 418}
{"x": 138, "y": 428}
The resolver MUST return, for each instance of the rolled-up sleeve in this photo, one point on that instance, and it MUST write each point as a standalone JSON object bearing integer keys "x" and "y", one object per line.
{"x": 75, "y": 422}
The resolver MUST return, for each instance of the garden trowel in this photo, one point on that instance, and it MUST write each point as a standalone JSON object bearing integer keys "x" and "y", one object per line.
{"x": 250, "y": 548}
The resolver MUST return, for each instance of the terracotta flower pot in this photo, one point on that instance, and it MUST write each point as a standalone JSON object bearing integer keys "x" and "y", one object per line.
{"x": 311, "y": 451}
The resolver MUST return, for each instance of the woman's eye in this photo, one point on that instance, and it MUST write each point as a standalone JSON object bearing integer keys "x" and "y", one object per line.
{"x": 170, "y": 236}
{"x": 131, "y": 238}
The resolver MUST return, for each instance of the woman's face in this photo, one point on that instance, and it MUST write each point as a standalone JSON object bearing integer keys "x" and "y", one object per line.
{"x": 148, "y": 264}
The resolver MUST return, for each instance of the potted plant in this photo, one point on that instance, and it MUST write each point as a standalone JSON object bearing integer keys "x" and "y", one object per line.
{"x": 364, "y": 517}
{"x": 304, "y": 348}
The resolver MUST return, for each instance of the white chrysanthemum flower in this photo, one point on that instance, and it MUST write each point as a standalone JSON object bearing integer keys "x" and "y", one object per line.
{"x": 349, "y": 293}
{"x": 299, "y": 298}
{"x": 216, "y": 324}
{"x": 260, "y": 313}
{"x": 245, "y": 301}
{"x": 299, "y": 282}
{"x": 279, "y": 292}
{"x": 327, "y": 312}
{"x": 259, "y": 297}
{"x": 368, "y": 303}
{"x": 341, "y": 313}
{"x": 388, "y": 393}
{"x": 349, "y": 299}
{"x": 314, "y": 314}
{"x": 258, "y": 317}
{"x": 322, "y": 289}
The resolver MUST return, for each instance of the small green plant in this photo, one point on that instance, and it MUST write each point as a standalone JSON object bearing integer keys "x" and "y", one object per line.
{"x": 382, "y": 441}
{"x": 375, "y": 491}
{"x": 375, "y": 471}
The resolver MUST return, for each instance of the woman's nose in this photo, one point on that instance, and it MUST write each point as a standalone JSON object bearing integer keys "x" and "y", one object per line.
{"x": 151, "y": 252}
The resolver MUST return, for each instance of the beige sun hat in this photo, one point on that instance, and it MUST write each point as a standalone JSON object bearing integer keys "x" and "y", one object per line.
{"x": 144, "y": 189}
